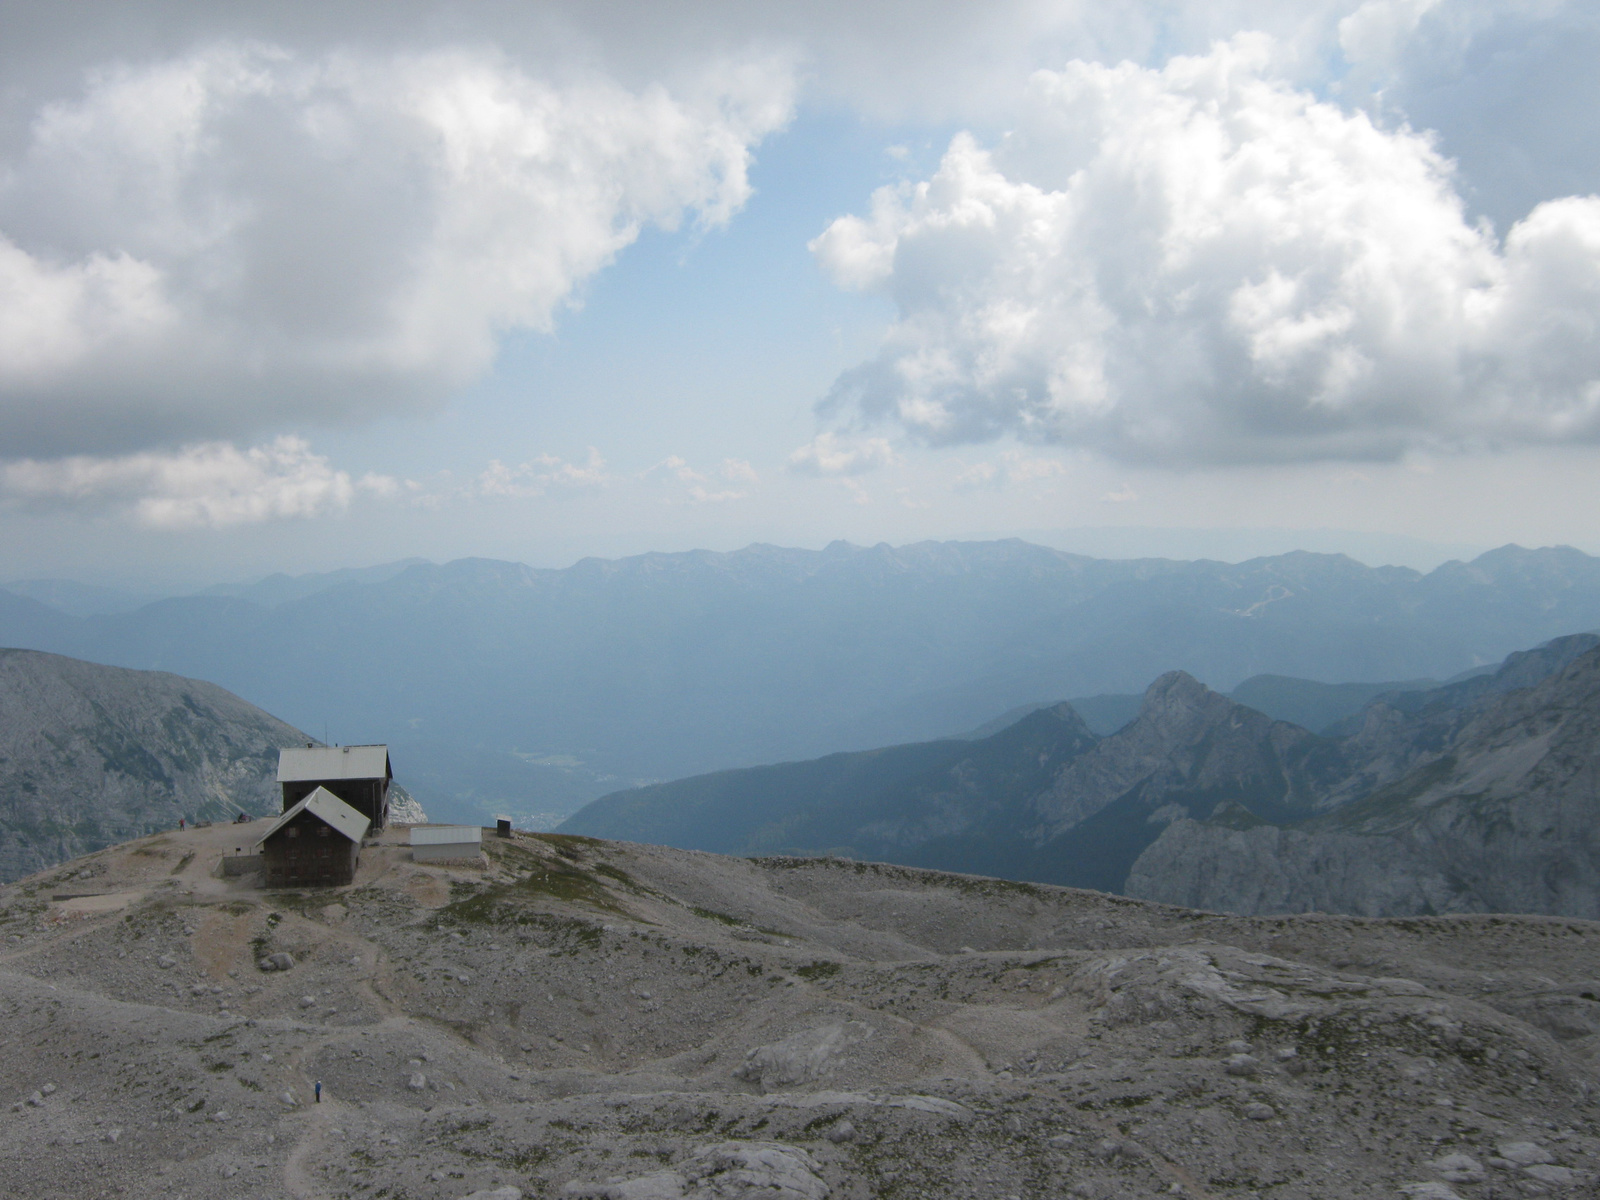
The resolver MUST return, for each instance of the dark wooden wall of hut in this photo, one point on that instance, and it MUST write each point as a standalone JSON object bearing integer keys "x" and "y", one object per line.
{"x": 309, "y": 852}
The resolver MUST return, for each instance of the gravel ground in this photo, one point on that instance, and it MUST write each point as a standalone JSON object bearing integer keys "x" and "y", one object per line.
{"x": 605, "y": 1020}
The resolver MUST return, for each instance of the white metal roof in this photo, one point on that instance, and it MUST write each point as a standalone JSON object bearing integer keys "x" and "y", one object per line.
{"x": 445, "y": 835}
{"x": 303, "y": 764}
{"x": 331, "y": 809}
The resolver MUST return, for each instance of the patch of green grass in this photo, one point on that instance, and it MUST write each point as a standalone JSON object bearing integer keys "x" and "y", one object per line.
{"x": 570, "y": 846}
{"x": 818, "y": 970}
{"x": 495, "y": 904}
{"x": 618, "y": 875}
{"x": 308, "y": 904}
{"x": 261, "y": 944}
{"x": 711, "y": 914}
{"x": 1038, "y": 963}
{"x": 182, "y": 863}
{"x": 523, "y": 1159}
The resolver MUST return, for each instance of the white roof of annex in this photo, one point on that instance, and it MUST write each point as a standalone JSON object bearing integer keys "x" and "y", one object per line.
{"x": 331, "y": 809}
{"x": 445, "y": 835}
{"x": 305, "y": 764}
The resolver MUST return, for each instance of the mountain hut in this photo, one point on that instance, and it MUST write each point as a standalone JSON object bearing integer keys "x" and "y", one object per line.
{"x": 317, "y": 842}
{"x": 358, "y": 775}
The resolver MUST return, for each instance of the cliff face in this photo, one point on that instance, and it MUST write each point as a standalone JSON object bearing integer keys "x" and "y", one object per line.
{"x": 1499, "y": 812}
{"x": 92, "y": 755}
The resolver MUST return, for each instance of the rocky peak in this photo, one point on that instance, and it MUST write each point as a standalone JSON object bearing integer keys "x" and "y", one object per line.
{"x": 1177, "y": 702}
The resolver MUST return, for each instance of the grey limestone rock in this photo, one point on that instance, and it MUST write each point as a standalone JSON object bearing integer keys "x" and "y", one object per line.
{"x": 1551, "y": 1174}
{"x": 1429, "y": 1190}
{"x": 726, "y": 1171}
{"x": 802, "y": 1057}
{"x": 1524, "y": 1154}
{"x": 1500, "y": 815}
{"x": 1458, "y": 1168}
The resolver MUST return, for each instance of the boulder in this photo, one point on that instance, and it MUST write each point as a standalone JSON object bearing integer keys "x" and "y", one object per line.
{"x": 801, "y": 1058}
{"x": 1525, "y": 1154}
{"x": 1562, "y": 1177}
{"x": 1458, "y": 1168}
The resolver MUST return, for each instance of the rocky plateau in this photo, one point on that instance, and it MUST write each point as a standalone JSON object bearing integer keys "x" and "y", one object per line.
{"x": 587, "y": 1019}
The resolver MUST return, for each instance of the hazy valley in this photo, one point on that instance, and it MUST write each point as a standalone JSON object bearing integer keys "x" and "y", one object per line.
{"x": 1474, "y": 796}
{"x": 506, "y": 688}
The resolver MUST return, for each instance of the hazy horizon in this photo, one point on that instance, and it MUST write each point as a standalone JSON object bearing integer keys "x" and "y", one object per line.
{"x": 290, "y": 290}
{"x": 1104, "y": 542}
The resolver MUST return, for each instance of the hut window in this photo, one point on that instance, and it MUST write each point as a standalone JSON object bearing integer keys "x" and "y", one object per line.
{"x": 292, "y": 832}
{"x": 323, "y": 832}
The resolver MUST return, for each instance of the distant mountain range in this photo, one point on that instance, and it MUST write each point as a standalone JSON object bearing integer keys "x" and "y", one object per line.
{"x": 93, "y": 755}
{"x": 505, "y": 688}
{"x": 1478, "y": 795}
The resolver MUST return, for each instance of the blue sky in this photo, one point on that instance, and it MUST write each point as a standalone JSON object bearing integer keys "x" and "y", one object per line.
{"x": 292, "y": 292}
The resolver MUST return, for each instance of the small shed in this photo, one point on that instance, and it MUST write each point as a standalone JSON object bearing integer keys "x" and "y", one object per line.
{"x": 436, "y": 843}
{"x": 317, "y": 842}
{"x": 358, "y": 775}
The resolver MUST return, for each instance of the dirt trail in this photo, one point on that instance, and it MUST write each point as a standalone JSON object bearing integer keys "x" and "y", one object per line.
{"x": 298, "y": 1179}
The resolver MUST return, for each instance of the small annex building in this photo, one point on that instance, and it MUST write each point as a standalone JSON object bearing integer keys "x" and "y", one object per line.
{"x": 442, "y": 843}
{"x": 316, "y": 843}
{"x": 358, "y": 775}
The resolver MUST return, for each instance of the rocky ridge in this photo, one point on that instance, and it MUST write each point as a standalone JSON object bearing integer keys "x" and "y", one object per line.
{"x": 579, "y": 1018}
{"x": 1496, "y": 813}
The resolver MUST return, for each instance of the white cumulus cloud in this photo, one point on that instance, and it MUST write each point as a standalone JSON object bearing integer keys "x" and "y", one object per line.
{"x": 1201, "y": 263}
{"x": 543, "y": 475}
{"x": 1014, "y": 467}
{"x": 828, "y": 454}
{"x": 244, "y": 235}
{"x": 205, "y": 485}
